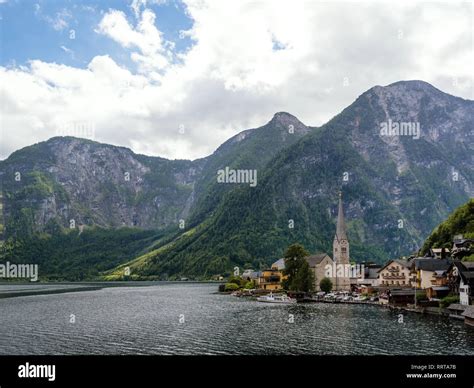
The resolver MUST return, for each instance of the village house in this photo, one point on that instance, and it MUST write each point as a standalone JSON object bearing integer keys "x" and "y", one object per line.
{"x": 401, "y": 296}
{"x": 431, "y": 274}
{"x": 441, "y": 253}
{"x": 369, "y": 279}
{"x": 461, "y": 281}
{"x": 270, "y": 279}
{"x": 461, "y": 246}
{"x": 396, "y": 273}
{"x": 251, "y": 276}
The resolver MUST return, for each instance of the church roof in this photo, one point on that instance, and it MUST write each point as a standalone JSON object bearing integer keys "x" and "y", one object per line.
{"x": 316, "y": 259}
{"x": 341, "y": 223}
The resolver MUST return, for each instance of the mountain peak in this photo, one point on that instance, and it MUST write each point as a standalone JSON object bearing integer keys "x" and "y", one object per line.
{"x": 285, "y": 119}
{"x": 413, "y": 84}
{"x": 404, "y": 87}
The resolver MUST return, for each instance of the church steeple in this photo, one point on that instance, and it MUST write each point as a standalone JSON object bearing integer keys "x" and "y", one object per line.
{"x": 341, "y": 224}
{"x": 341, "y": 243}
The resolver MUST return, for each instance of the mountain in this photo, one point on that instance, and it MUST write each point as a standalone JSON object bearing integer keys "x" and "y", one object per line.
{"x": 67, "y": 182}
{"x": 47, "y": 185}
{"x": 396, "y": 188}
{"x": 57, "y": 193}
{"x": 461, "y": 221}
{"x": 249, "y": 150}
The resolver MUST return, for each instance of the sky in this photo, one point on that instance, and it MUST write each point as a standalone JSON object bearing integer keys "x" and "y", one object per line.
{"x": 176, "y": 78}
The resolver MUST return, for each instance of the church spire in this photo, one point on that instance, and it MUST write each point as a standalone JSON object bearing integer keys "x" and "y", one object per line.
{"x": 341, "y": 224}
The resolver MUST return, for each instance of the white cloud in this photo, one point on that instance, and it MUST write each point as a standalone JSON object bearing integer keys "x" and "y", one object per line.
{"x": 248, "y": 61}
{"x": 138, "y": 5}
{"x": 59, "y": 21}
{"x": 153, "y": 54}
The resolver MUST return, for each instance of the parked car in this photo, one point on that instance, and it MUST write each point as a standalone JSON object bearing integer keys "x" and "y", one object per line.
{"x": 320, "y": 295}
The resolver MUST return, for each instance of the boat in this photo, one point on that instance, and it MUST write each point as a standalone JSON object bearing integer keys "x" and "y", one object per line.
{"x": 279, "y": 299}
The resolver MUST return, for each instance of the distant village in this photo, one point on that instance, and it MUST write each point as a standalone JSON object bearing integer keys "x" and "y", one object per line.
{"x": 438, "y": 283}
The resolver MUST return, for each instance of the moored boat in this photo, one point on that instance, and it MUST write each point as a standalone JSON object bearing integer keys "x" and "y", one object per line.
{"x": 279, "y": 299}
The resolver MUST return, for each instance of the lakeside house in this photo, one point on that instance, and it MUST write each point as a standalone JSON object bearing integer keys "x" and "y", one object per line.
{"x": 368, "y": 282}
{"x": 438, "y": 277}
{"x": 396, "y": 273}
{"x": 461, "y": 281}
{"x": 270, "y": 279}
{"x": 401, "y": 297}
{"x": 431, "y": 274}
{"x": 251, "y": 276}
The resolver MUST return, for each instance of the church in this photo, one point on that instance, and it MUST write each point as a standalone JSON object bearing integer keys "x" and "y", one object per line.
{"x": 337, "y": 268}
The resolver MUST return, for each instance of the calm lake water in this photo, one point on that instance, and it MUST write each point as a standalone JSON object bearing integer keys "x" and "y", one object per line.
{"x": 146, "y": 320}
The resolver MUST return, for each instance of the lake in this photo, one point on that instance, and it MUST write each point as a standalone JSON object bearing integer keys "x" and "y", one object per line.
{"x": 192, "y": 318}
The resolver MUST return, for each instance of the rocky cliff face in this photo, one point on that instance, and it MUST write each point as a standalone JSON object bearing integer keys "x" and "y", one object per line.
{"x": 72, "y": 182}
{"x": 69, "y": 182}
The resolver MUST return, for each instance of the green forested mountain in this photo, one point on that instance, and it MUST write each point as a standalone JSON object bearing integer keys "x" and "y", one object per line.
{"x": 53, "y": 189}
{"x": 461, "y": 221}
{"x": 251, "y": 149}
{"x": 396, "y": 189}
{"x": 76, "y": 256}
